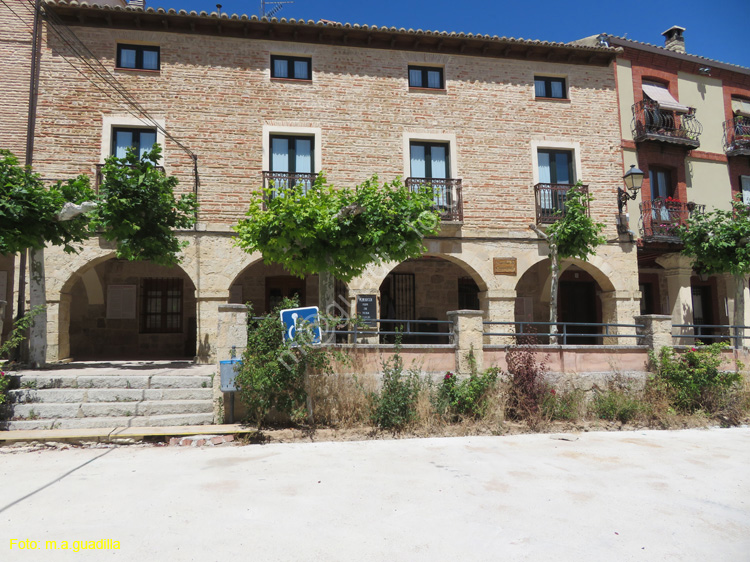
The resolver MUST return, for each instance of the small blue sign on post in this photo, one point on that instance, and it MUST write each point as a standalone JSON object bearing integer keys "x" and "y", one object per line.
{"x": 305, "y": 318}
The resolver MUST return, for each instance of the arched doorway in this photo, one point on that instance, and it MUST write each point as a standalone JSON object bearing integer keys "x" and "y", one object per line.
{"x": 579, "y": 301}
{"x": 265, "y": 285}
{"x": 122, "y": 310}
{"x": 423, "y": 290}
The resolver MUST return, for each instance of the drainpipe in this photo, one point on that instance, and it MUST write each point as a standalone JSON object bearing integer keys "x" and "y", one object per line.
{"x": 30, "y": 132}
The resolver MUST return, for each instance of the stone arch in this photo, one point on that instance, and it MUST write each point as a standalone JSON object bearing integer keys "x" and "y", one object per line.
{"x": 151, "y": 313}
{"x": 582, "y": 297}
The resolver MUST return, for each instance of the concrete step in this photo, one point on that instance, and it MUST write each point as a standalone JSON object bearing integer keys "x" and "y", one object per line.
{"x": 43, "y": 382}
{"x": 112, "y": 422}
{"x": 44, "y": 410}
{"x": 79, "y": 395}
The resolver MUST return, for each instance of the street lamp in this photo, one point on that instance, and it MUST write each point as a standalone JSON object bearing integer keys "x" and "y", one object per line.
{"x": 633, "y": 179}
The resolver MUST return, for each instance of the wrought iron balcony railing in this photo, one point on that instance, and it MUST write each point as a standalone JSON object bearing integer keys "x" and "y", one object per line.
{"x": 650, "y": 122}
{"x": 661, "y": 219}
{"x": 100, "y": 177}
{"x": 284, "y": 180}
{"x": 737, "y": 136}
{"x": 550, "y": 201}
{"x": 448, "y": 199}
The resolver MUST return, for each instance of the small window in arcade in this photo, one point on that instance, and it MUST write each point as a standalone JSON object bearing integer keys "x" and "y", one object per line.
{"x": 430, "y": 77}
{"x": 138, "y": 57}
{"x": 548, "y": 87}
{"x": 162, "y": 305}
{"x": 294, "y": 68}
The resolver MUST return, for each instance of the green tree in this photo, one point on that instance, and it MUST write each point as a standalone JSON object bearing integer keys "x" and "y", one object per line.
{"x": 139, "y": 211}
{"x": 573, "y": 235}
{"x": 337, "y": 232}
{"x": 719, "y": 242}
{"x": 29, "y": 210}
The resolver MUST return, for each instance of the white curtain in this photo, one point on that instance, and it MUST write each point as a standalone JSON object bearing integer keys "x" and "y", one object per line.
{"x": 557, "y": 89}
{"x": 148, "y": 138}
{"x": 123, "y": 141}
{"x": 415, "y": 78}
{"x": 433, "y": 79}
{"x": 280, "y": 68}
{"x": 151, "y": 60}
{"x": 300, "y": 69}
{"x": 545, "y": 176}
{"x": 127, "y": 58}
{"x": 418, "y": 167}
{"x": 279, "y": 155}
{"x": 303, "y": 161}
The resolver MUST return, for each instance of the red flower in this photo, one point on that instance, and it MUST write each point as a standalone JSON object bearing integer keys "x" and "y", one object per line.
{"x": 552, "y": 391}
{"x": 693, "y": 349}
{"x": 448, "y": 375}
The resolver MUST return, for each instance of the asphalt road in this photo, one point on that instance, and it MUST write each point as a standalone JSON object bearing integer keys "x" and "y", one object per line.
{"x": 646, "y": 495}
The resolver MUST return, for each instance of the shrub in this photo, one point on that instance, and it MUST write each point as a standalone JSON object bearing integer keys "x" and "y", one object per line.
{"x": 618, "y": 405}
{"x": 694, "y": 378}
{"x": 17, "y": 335}
{"x": 564, "y": 406}
{"x": 394, "y": 405}
{"x": 527, "y": 385}
{"x": 272, "y": 373}
{"x": 468, "y": 397}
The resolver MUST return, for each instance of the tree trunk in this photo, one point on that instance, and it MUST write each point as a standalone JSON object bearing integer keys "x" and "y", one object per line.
{"x": 739, "y": 309}
{"x": 554, "y": 285}
{"x": 38, "y": 296}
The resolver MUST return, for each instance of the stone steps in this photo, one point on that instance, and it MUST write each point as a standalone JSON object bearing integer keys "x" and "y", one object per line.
{"x": 111, "y": 397}
{"x": 113, "y": 422}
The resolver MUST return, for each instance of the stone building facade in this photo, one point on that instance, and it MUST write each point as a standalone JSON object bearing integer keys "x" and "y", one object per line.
{"x": 503, "y": 123}
{"x": 685, "y": 121}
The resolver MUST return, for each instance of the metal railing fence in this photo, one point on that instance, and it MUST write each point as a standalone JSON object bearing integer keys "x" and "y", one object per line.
{"x": 565, "y": 333}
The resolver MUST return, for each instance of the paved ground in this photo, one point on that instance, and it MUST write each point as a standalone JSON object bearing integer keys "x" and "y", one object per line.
{"x": 643, "y": 495}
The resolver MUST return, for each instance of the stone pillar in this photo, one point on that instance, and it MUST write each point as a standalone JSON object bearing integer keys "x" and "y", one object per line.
{"x": 231, "y": 330}
{"x": 730, "y": 282}
{"x": 61, "y": 345}
{"x": 2, "y": 317}
{"x": 207, "y": 312}
{"x": 468, "y": 334}
{"x": 499, "y": 306}
{"x": 620, "y": 307}
{"x": 37, "y": 296}
{"x": 678, "y": 271}
{"x": 656, "y": 331}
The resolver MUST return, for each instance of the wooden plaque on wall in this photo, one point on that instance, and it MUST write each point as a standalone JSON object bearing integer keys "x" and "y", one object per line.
{"x": 504, "y": 266}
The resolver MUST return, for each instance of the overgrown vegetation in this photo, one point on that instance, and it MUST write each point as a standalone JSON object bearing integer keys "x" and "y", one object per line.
{"x": 272, "y": 375}
{"x": 694, "y": 379}
{"x": 394, "y": 405}
{"x": 468, "y": 398}
{"x": 14, "y": 339}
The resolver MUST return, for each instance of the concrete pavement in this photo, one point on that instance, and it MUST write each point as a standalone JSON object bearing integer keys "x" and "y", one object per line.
{"x": 645, "y": 495}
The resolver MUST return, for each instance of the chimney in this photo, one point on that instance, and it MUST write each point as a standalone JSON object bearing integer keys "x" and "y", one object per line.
{"x": 673, "y": 39}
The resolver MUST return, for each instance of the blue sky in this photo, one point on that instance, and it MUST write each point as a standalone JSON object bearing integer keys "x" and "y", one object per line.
{"x": 716, "y": 30}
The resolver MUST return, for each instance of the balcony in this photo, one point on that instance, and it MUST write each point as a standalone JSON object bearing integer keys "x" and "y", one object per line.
{"x": 285, "y": 180}
{"x": 100, "y": 177}
{"x": 550, "y": 201}
{"x": 661, "y": 218}
{"x": 651, "y": 123}
{"x": 448, "y": 198}
{"x": 737, "y": 136}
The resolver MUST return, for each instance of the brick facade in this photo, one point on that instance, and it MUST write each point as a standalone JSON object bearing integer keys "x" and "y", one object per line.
{"x": 214, "y": 95}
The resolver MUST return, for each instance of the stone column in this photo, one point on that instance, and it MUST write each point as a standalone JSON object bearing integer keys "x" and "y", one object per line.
{"x": 656, "y": 331}
{"x": 620, "y": 307}
{"x": 207, "y": 307}
{"x": 2, "y": 317}
{"x": 678, "y": 271}
{"x": 60, "y": 344}
{"x": 468, "y": 333}
{"x": 231, "y": 330}
{"x": 499, "y": 306}
{"x": 730, "y": 282}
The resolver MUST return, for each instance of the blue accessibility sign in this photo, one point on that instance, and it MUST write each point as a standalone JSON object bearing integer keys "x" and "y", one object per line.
{"x": 295, "y": 319}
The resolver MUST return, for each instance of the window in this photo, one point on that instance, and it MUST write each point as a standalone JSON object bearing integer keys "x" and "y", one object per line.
{"x": 162, "y": 305}
{"x": 426, "y": 77}
{"x": 745, "y": 184}
{"x": 547, "y": 87}
{"x": 429, "y": 160}
{"x": 661, "y": 183}
{"x": 555, "y": 166}
{"x": 139, "y": 57}
{"x": 292, "y": 161}
{"x": 556, "y": 174}
{"x": 295, "y": 68}
{"x": 142, "y": 140}
{"x": 292, "y": 154}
